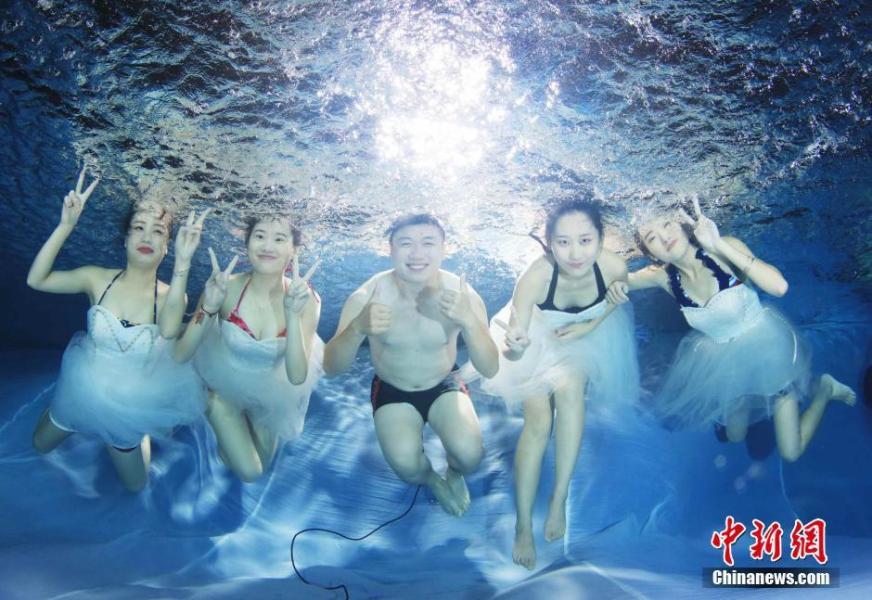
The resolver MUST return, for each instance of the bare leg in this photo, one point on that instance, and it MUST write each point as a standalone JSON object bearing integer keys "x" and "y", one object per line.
{"x": 47, "y": 436}
{"x": 569, "y": 403}
{"x": 132, "y": 466}
{"x": 399, "y": 428}
{"x": 538, "y": 416}
{"x": 792, "y": 431}
{"x": 235, "y": 444}
{"x": 737, "y": 424}
{"x": 453, "y": 418}
{"x": 266, "y": 443}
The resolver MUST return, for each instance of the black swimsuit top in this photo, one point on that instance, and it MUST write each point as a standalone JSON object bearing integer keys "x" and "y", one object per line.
{"x": 725, "y": 280}
{"x": 125, "y": 322}
{"x": 549, "y": 300}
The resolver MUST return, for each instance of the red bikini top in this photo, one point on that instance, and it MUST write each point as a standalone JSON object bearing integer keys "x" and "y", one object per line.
{"x": 235, "y": 318}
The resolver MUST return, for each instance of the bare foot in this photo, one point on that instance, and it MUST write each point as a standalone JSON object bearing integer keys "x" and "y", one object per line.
{"x": 524, "y": 550}
{"x": 442, "y": 491}
{"x": 555, "y": 522}
{"x": 838, "y": 390}
{"x": 458, "y": 488}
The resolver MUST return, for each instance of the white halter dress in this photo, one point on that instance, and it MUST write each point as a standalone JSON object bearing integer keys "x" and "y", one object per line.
{"x": 120, "y": 383}
{"x": 740, "y": 355}
{"x": 604, "y": 357}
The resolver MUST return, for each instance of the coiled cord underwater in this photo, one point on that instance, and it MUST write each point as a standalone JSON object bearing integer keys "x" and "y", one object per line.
{"x": 342, "y": 586}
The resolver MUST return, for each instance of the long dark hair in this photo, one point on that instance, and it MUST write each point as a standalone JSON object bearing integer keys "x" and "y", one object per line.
{"x": 591, "y": 209}
{"x": 252, "y": 220}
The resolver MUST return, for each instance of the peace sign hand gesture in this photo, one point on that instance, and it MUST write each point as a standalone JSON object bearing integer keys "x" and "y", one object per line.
{"x": 516, "y": 338}
{"x": 188, "y": 237}
{"x": 216, "y": 285}
{"x": 704, "y": 229}
{"x": 74, "y": 201}
{"x": 299, "y": 292}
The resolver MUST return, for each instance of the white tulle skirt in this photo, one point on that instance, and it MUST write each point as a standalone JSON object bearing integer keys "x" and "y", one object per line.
{"x": 605, "y": 358}
{"x": 122, "y": 383}
{"x": 709, "y": 381}
{"x": 250, "y": 374}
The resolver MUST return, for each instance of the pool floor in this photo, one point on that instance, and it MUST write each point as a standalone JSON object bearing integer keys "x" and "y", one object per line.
{"x": 643, "y": 505}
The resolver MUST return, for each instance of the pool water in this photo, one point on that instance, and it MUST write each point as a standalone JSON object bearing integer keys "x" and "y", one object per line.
{"x": 347, "y": 114}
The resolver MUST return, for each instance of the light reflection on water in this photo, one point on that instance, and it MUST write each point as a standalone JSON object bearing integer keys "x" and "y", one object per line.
{"x": 349, "y": 112}
{"x": 345, "y": 111}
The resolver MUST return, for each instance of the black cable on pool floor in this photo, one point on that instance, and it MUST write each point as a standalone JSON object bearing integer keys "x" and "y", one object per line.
{"x": 341, "y": 586}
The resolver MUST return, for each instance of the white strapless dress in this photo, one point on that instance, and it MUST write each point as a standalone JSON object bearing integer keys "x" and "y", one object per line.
{"x": 251, "y": 375}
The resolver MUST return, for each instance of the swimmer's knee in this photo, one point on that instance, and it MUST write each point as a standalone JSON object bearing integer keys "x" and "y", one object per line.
{"x": 215, "y": 405}
{"x": 135, "y": 485}
{"x": 249, "y": 471}
{"x": 570, "y": 393}
{"x": 38, "y": 440}
{"x": 466, "y": 459}
{"x": 249, "y": 475}
{"x": 408, "y": 468}
{"x": 790, "y": 452}
{"x": 790, "y": 456}
{"x": 40, "y": 444}
{"x": 736, "y": 434}
{"x": 46, "y": 436}
{"x": 736, "y": 427}
{"x": 538, "y": 426}
{"x": 44, "y": 440}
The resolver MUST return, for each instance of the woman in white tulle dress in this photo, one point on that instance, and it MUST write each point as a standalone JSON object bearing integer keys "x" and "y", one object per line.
{"x": 253, "y": 341}
{"x": 743, "y": 361}
{"x": 118, "y": 379}
{"x": 564, "y": 347}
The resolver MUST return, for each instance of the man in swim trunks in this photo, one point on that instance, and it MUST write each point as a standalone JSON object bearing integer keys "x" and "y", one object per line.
{"x": 412, "y": 315}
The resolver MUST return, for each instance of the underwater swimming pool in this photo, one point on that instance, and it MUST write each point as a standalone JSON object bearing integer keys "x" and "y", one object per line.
{"x": 345, "y": 115}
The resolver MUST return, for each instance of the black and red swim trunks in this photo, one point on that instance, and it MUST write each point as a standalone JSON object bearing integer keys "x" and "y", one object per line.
{"x": 382, "y": 393}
